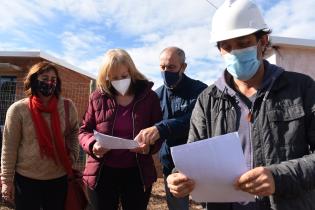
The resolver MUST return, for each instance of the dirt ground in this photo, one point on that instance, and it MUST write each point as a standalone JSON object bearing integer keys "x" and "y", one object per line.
{"x": 157, "y": 200}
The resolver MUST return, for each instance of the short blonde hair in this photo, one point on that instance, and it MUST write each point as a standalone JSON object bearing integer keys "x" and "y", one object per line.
{"x": 113, "y": 59}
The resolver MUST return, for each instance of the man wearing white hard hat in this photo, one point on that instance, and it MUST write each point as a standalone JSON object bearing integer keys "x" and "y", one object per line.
{"x": 272, "y": 110}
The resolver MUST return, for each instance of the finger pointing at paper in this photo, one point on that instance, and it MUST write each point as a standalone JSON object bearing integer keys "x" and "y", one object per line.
{"x": 143, "y": 148}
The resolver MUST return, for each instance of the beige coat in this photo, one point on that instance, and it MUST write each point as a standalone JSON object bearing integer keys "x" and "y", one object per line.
{"x": 20, "y": 149}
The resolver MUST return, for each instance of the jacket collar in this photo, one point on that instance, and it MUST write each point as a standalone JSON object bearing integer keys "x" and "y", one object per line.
{"x": 272, "y": 72}
{"x": 142, "y": 88}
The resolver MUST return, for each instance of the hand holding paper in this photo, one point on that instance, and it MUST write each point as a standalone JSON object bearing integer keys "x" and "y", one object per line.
{"x": 258, "y": 181}
{"x": 98, "y": 150}
{"x": 180, "y": 185}
{"x": 214, "y": 164}
{"x": 111, "y": 142}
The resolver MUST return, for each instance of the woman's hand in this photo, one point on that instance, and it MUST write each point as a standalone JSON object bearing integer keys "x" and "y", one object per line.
{"x": 98, "y": 150}
{"x": 7, "y": 192}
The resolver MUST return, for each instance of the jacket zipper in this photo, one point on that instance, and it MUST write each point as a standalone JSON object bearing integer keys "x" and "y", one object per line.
{"x": 251, "y": 111}
{"x": 133, "y": 134}
{"x": 102, "y": 163}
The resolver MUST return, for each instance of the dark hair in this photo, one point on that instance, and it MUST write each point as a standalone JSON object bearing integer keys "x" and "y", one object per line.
{"x": 258, "y": 35}
{"x": 262, "y": 33}
{"x": 30, "y": 82}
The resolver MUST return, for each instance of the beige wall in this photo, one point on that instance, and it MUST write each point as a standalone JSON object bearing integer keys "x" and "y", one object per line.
{"x": 295, "y": 59}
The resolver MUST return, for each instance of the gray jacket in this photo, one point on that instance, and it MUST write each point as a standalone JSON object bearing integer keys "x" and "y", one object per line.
{"x": 283, "y": 136}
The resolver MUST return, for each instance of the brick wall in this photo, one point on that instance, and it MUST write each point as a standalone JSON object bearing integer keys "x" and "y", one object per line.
{"x": 77, "y": 88}
{"x": 74, "y": 85}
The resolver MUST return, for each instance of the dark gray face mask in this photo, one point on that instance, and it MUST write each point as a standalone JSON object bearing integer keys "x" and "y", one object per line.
{"x": 47, "y": 89}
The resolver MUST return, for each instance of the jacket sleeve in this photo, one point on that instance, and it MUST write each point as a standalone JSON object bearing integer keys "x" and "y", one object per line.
{"x": 296, "y": 176}
{"x": 198, "y": 122}
{"x": 74, "y": 132}
{"x": 86, "y": 137}
{"x": 176, "y": 128}
{"x": 12, "y": 135}
{"x": 156, "y": 116}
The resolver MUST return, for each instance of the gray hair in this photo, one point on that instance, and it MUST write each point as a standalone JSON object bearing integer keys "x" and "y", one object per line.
{"x": 179, "y": 52}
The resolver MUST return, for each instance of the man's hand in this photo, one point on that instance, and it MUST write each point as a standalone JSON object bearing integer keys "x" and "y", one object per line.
{"x": 180, "y": 185}
{"x": 258, "y": 181}
{"x": 98, "y": 150}
{"x": 148, "y": 135}
{"x": 142, "y": 149}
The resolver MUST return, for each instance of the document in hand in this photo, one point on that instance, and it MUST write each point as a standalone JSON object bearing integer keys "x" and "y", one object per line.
{"x": 213, "y": 164}
{"x": 112, "y": 142}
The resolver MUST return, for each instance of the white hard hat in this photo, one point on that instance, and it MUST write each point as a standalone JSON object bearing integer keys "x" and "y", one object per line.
{"x": 236, "y": 18}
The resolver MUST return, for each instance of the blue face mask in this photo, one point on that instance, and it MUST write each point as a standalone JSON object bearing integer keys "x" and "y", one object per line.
{"x": 170, "y": 78}
{"x": 242, "y": 64}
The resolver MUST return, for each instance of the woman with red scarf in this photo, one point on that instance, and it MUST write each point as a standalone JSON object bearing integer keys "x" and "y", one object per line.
{"x": 36, "y": 143}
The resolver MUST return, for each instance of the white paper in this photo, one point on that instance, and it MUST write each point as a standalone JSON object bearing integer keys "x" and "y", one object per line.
{"x": 214, "y": 164}
{"x": 111, "y": 142}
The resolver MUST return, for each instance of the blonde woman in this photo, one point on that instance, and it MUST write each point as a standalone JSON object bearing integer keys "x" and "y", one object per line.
{"x": 33, "y": 151}
{"x": 121, "y": 106}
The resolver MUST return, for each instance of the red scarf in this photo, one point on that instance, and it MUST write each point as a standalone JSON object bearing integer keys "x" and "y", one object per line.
{"x": 45, "y": 136}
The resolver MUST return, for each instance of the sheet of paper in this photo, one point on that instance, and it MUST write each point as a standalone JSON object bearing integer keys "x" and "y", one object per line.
{"x": 111, "y": 142}
{"x": 214, "y": 164}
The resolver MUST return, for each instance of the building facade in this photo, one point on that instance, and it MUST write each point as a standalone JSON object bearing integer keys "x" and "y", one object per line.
{"x": 293, "y": 54}
{"x": 14, "y": 67}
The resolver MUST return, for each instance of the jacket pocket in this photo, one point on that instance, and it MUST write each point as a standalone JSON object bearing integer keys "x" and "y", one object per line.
{"x": 287, "y": 125}
{"x": 286, "y": 113}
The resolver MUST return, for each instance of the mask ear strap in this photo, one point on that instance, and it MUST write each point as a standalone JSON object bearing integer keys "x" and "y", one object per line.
{"x": 261, "y": 52}
{"x": 265, "y": 47}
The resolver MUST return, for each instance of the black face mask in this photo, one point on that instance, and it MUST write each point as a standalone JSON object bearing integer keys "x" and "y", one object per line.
{"x": 47, "y": 89}
{"x": 171, "y": 78}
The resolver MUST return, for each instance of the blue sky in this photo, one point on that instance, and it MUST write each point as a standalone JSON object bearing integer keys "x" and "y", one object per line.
{"x": 81, "y": 31}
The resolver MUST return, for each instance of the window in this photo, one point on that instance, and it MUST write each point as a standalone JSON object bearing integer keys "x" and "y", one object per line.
{"x": 7, "y": 95}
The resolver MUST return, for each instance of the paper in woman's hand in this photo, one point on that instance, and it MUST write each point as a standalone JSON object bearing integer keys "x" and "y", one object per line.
{"x": 111, "y": 142}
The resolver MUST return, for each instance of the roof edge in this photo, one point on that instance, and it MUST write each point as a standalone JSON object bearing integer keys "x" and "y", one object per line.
{"x": 46, "y": 56}
{"x": 278, "y": 40}
{"x": 65, "y": 64}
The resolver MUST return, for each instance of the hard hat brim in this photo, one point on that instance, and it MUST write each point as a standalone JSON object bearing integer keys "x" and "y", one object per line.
{"x": 233, "y": 34}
